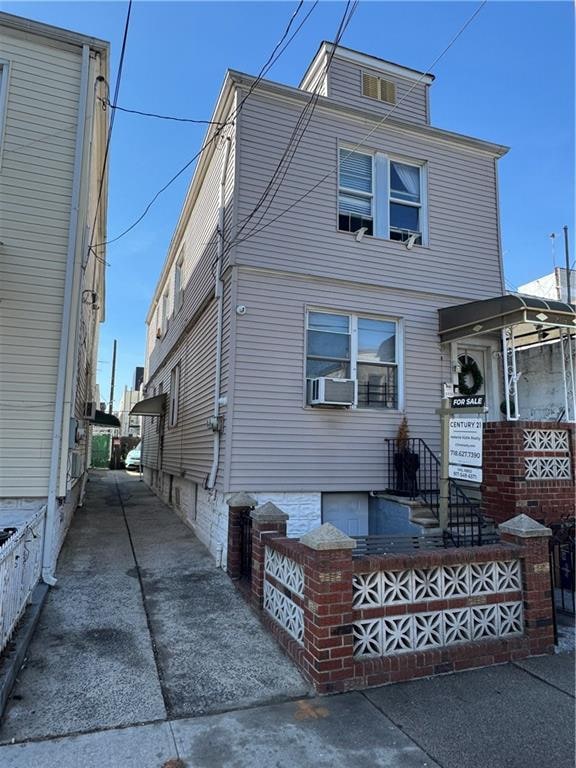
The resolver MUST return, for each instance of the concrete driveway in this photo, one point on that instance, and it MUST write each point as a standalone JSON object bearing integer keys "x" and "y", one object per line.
{"x": 141, "y": 627}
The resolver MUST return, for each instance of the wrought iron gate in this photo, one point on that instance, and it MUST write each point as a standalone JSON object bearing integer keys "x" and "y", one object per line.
{"x": 246, "y": 545}
{"x": 562, "y": 567}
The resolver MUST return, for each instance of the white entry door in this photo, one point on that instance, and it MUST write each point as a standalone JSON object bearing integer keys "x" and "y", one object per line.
{"x": 481, "y": 356}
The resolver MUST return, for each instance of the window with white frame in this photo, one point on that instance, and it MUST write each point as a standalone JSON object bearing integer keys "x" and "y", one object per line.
{"x": 405, "y": 202}
{"x": 364, "y": 348}
{"x": 160, "y": 419}
{"x": 164, "y": 321}
{"x": 355, "y": 193}
{"x": 174, "y": 396}
{"x": 178, "y": 288}
{"x": 3, "y": 95}
{"x": 381, "y": 195}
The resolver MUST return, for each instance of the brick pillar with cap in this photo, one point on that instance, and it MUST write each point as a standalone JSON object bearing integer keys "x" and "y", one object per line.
{"x": 536, "y": 584}
{"x": 239, "y": 505}
{"x": 267, "y": 521}
{"x": 328, "y": 638}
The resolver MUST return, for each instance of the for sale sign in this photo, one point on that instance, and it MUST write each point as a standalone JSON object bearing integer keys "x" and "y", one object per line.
{"x": 465, "y": 448}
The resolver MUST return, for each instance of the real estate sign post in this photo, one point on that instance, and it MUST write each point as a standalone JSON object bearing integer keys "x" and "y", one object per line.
{"x": 461, "y": 446}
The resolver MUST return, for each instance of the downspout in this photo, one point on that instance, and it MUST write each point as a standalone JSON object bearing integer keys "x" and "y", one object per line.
{"x": 219, "y": 296}
{"x": 51, "y": 512}
{"x": 84, "y": 261}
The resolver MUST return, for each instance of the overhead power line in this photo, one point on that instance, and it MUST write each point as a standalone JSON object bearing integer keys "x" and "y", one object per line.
{"x": 298, "y": 132}
{"x": 107, "y": 103}
{"x": 362, "y": 141}
{"x": 278, "y": 50}
{"x": 111, "y": 125}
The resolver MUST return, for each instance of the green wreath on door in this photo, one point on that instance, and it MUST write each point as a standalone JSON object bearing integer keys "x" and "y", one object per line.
{"x": 469, "y": 368}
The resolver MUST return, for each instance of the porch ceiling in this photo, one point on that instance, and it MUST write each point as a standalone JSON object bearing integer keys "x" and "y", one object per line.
{"x": 535, "y": 320}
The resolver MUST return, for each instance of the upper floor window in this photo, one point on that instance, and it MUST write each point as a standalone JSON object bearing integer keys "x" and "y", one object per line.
{"x": 355, "y": 195}
{"x": 382, "y": 196}
{"x": 174, "y": 396}
{"x": 164, "y": 313}
{"x": 356, "y": 347}
{"x": 178, "y": 288}
{"x": 4, "y": 66}
{"x": 405, "y": 202}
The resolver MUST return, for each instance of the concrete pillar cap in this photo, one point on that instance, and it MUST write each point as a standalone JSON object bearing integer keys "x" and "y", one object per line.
{"x": 268, "y": 513}
{"x": 241, "y": 499}
{"x": 326, "y": 537}
{"x": 524, "y": 527}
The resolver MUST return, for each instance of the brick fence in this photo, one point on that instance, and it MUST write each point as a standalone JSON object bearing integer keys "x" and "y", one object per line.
{"x": 529, "y": 467}
{"x": 353, "y": 622}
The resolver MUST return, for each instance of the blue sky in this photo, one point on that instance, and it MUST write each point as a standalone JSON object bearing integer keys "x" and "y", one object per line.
{"x": 509, "y": 79}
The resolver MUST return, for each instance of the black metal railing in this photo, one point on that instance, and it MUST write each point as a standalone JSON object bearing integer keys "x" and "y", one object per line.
{"x": 562, "y": 566}
{"x": 414, "y": 472}
{"x": 246, "y": 545}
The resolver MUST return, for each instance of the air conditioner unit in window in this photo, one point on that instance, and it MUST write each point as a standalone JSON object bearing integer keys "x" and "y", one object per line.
{"x": 327, "y": 391}
{"x": 89, "y": 411}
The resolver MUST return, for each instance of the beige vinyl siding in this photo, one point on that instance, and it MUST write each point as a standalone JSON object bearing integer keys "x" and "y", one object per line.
{"x": 191, "y": 333}
{"x": 281, "y": 445}
{"x": 462, "y": 257}
{"x": 187, "y": 447}
{"x": 345, "y": 86}
{"x": 200, "y": 251}
{"x": 36, "y": 168}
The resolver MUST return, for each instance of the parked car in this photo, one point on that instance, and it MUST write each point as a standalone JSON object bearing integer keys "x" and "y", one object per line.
{"x": 132, "y": 460}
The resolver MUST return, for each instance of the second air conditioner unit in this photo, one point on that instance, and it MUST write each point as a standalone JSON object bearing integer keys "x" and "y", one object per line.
{"x": 326, "y": 391}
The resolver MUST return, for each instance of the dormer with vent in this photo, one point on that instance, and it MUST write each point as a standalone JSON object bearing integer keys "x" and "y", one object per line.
{"x": 367, "y": 82}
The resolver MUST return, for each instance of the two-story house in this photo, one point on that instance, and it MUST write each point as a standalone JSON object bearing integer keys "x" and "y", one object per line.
{"x": 53, "y": 197}
{"x": 283, "y": 276}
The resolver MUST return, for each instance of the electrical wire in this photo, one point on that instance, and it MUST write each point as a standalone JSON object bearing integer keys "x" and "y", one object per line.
{"x": 295, "y": 140}
{"x": 278, "y": 50}
{"x": 91, "y": 245}
{"x": 369, "y": 134}
{"x": 107, "y": 103}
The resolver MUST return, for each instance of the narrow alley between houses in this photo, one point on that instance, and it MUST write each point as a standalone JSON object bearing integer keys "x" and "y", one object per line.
{"x": 140, "y": 627}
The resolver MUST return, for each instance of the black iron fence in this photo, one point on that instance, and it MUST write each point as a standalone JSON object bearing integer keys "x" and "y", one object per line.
{"x": 414, "y": 473}
{"x": 562, "y": 566}
{"x": 246, "y": 545}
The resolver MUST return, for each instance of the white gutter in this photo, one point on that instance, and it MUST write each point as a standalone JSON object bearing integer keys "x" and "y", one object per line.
{"x": 48, "y": 565}
{"x": 219, "y": 296}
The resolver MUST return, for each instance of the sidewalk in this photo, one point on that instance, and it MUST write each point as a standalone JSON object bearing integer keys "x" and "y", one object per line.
{"x": 512, "y": 716}
{"x": 143, "y": 638}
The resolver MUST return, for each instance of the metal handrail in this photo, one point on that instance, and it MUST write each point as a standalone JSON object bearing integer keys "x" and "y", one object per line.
{"x": 414, "y": 471}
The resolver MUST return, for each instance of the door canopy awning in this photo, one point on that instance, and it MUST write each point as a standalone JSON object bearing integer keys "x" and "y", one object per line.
{"x": 152, "y": 406}
{"x": 103, "y": 419}
{"x": 534, "y": 320}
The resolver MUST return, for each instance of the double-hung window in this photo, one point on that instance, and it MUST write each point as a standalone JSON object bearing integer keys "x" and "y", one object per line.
{"x": 405, "y": 202}
{"x": 178, "y": 288}
{"x": 363, "y": 348}
{"x": 381, "y": 195}
{"x": 174, "y": 396}
{"x": 355, "y": 194}
{"x": 4, "y": 66}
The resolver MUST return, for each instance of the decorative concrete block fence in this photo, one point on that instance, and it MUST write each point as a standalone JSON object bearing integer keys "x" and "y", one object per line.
{"x": 529, "y": 467}
{"x": 353, "y": 622}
